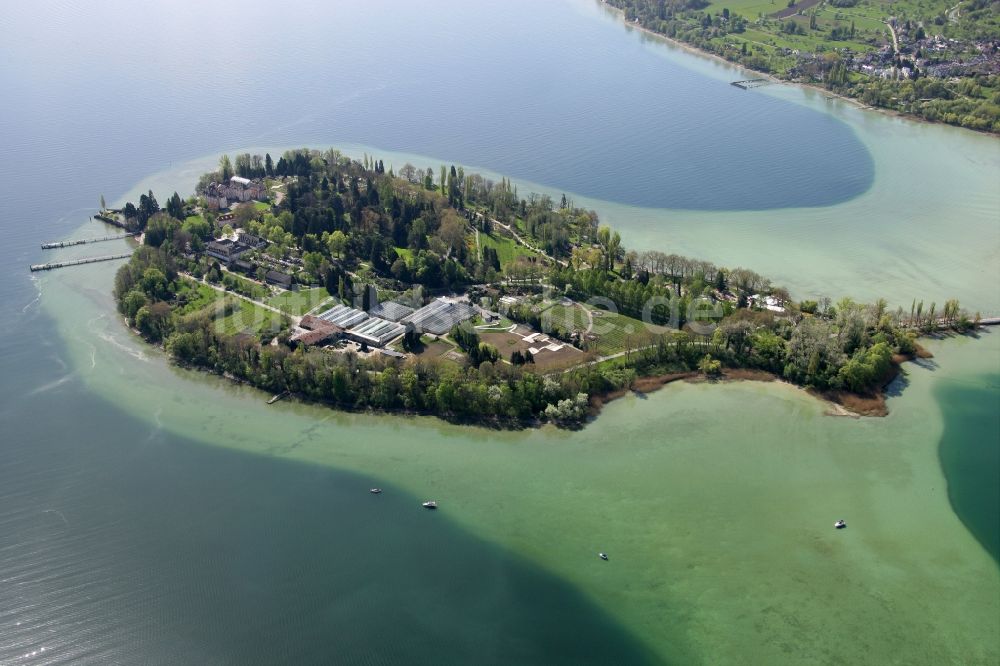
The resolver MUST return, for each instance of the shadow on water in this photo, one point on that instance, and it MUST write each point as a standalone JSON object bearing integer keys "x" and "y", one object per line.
{"x": 897, "y": 386}
{"x": 925, "y": 363}
{"x": 970, "y": 456}
{"x": 134, "y": 546}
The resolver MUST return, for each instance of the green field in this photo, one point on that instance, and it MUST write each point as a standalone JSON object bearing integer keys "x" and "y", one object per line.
{"x": 507, "y": 248}
{"x": 197, "y": 296}
{"x": 751, "y": 9}
{"x": 234, "y": 282}
{"x": 248, "y": 318}
{"x": 297, "y": 303}
{"x": 868, "y": 17}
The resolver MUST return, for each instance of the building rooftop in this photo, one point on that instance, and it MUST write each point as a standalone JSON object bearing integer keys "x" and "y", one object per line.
{"x": 391, "y": 310}
{"x": 278, "y": 277}
{"x": 343, "y": 316}
{"x": 438, "y": 317}
{"x": 313, "y": 330}
{"x": 378, "y": 328}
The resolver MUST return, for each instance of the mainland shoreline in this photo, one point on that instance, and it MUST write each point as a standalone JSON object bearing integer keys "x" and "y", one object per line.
{"x": 694, "y": 50}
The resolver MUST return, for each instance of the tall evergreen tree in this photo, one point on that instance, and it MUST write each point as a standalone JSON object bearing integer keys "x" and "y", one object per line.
{"x": 225, "y": 168}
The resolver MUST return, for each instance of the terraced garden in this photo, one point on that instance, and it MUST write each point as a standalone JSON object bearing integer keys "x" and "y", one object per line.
{"x": 614, "y": 333}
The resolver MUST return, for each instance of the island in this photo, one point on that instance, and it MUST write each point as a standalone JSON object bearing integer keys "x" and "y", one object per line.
{"x": 938, "y": 61}
{"x": 338, "y": 281}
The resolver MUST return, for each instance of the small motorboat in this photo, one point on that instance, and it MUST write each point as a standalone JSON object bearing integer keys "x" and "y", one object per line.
{"x": 603, "y": 556}
{"x": 840, "y": 524}
{"x": 431, "y": 504}
{"x": 375, "y": 491}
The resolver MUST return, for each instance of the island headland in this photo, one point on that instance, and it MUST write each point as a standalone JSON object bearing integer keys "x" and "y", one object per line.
{"x": 338, "y": 281}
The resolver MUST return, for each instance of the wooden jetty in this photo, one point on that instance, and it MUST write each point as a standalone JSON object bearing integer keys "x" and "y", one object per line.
{"x": 77, "y": 262}
{"x": 750, "y": 83}
{"x": 84, "y": 241}
{"x": 109, "y": 219}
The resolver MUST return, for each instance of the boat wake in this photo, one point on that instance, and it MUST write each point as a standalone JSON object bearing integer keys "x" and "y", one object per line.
{"x": 51, "y": 385}
{"x": 113, "y": 340}
{"x": 58, "y": 513}
{"x": 34, "y": 301}
{"x": 58, "y": 359}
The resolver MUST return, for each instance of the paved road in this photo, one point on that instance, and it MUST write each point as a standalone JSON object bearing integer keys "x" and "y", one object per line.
{"x": 895, "y": 41}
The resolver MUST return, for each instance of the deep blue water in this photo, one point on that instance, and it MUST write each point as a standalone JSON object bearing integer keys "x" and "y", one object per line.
{"x": 970, "y": 455}
{"x": 557, "y": 93}
{"x": 127, "y": 545}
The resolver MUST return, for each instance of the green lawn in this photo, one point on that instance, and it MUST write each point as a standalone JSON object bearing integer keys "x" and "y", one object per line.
{"x": 234, "y": 282}
{"x": 197, "y": 296}
{"x": 507, "y": 248}
{"x": 248, "y": 318}
{"x": 750, "y": 9}
{"x": 299, "y": 302}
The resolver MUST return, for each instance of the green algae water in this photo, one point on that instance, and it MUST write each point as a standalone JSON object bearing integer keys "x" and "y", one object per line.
{"x": 715, "y": 502}
{"x": 151, "y": 514}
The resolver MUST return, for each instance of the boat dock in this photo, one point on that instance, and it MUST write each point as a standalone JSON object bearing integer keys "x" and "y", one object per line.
{"x": 77, "y": 262}
{"x": 750, "y": 83}
{"x": 84, "y": 241}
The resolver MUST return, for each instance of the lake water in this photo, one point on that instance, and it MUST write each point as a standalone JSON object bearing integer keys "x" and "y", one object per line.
{"x": 152, "y": 514}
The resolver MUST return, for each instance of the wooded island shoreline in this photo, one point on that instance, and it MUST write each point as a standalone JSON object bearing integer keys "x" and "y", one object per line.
{"x": 337, "y": 281}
